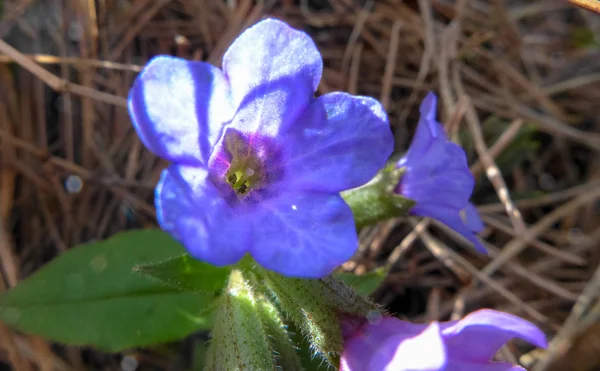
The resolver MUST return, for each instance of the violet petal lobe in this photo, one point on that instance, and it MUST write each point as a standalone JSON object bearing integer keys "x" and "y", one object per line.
{"x": 340, "y": 142}
{"x": 424, "y": 352}
{"x": 440, "y": 176}
{"x": 268, "y": 113}
{"x": 479, "y": 336}
{"x": 494, "y": 366}
{"x": 303, "y": 234}
{"x": 364, "y": 342}
{"x": 195, "y": 213}
{"x": 471, "y": 218}
{"x": 428, "y": 130}
{"x": 179, "y": 107}
{"x": 273, "y": 59}
{"x": 375, "y": 343}
{"x": 452, "y": 219}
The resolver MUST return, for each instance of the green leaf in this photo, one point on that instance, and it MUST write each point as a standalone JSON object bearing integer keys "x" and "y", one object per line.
{"x": 186, "y": 273}
{"x": 90, "y": 296}
{"x": 365, "y": 284}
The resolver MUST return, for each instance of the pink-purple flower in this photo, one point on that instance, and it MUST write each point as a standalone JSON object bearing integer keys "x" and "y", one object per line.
{"x": 257, "y": 161}
{"x": 438, "y": 178}
{"x": 390, "y": 344}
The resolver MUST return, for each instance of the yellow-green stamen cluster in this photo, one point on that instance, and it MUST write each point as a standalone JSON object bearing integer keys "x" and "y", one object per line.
{"x": 245, "y": 171}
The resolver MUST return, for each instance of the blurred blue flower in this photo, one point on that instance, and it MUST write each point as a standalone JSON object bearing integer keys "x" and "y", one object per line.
{"x": 438, "y": 178}
{"x": 390, "y": 344}
{"x": 257, "y": 161}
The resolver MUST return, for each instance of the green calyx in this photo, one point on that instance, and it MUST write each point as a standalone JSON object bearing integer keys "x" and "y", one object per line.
{"x": 239, "y": 338}
{"x": 246, "y": 171}
{"x": 263, "y": 320}
{"x": 376, "y": 201}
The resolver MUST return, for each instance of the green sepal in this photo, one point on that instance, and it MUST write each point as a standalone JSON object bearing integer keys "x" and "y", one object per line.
{"x": 309, "y": 361}
{"x": 315, "y": 306}
{"x": 239, "y": 338}
{"x": 307, "y": 309}
{"x": 376, "y": 200}
{"x": 186, "y": 273}
{"x": 340, "y": 296}
{"x": 286, "y": 353}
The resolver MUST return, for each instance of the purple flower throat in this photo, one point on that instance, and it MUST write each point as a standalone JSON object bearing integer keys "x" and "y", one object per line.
{"x": 244, "y": 166}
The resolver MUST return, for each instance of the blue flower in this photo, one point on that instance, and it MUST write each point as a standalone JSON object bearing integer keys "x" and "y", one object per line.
{"x": 257, "y": 161}
{"x": 438, "y": 178}
{"x": 466, "y": 345}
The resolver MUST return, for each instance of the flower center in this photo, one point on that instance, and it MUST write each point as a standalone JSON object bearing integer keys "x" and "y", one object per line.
{"x": 246, "y": 170}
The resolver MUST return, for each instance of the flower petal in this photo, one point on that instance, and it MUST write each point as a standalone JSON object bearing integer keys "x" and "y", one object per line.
{"x": 471, "y": 218}
{"x": 194, "y": 212}
{"x": 358, "y": 352}
{"x": 428, "y": 107}
{"x": 479, "y": 336}
{"x": 440, "y": 176}
{"x": 272, "y": 59}
{"x": 428, "y": 130}
{"x": 269, "y": 112}
{"x": 452, "y": 219}
{"x": 303, "y": 234}
{"x": 340, "y": 142}
{"x": 179, "y": 107}
{"x": 424, "y": 352}
{"x": 363, "y": 344}
{"x": 493, "y": 366}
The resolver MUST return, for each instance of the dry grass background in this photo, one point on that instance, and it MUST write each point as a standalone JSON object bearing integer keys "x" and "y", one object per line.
{"x": 519, "y": 86}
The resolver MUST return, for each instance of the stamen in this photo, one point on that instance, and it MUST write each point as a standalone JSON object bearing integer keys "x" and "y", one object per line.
{"x": 246, "y": 170}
